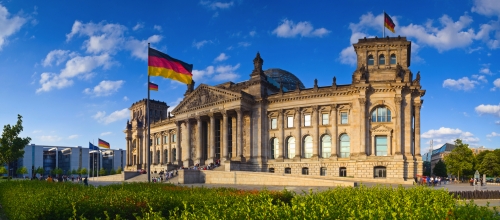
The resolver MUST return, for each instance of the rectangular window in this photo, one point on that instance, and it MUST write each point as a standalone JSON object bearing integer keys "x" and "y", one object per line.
{"x": 322, "y": 171}
{"x": 274, "y": 123}
{"x": 157, "y": 141}
{"x": 325, "y": 118}
{"x": 343, "y": 118}
{"x": 307, "y": 120}
{"x": 165, "y": 139}
{"x": 290, "y": 122}
{"x": 381, "y": 145}
{"x": 173, "y": 138}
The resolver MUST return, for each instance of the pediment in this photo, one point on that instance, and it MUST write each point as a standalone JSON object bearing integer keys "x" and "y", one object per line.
{"x": 205, "y": 95}
{"x": 381, "y": 129}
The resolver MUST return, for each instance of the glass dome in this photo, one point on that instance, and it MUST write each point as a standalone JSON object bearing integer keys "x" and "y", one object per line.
{"x": 284, "y": 77}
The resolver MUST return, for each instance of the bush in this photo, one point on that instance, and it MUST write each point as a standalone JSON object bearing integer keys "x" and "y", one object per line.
{"x": 112, "y": 172}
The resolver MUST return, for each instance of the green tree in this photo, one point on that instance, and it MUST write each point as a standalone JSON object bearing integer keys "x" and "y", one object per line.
{"x": 460, "y": 159}
{"x": 40, "y": 171}
{"x": 2, "y": 170}
{"x": 22, "y": 171}
{"x": 479, "y": 159}
{"x": 112, "y": 172}
{"x": 440, "y": 169}
{"x": 11, "y": 145}
{"x": 58, "y": 171}
{"x": 119, "y": 170}
{"x": 490, "y": 164}
{"x": 79, "y": 171}
{"x": 83, "y": 171}
{"x": 102, "y": 172}
{"x": 73, "y": 172}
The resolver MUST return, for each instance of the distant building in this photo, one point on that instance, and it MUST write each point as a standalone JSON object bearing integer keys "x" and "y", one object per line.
{"x": 67, "y": 158}
{"x": 439, "y": 154}
{"x": 479, "y": 149}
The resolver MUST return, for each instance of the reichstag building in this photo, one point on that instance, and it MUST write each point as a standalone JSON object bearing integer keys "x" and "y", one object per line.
{"x": 272, "y": 123}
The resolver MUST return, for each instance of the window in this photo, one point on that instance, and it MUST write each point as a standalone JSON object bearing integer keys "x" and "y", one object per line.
{"x": 381, "y": 145}
{"x": 325, "y": 118}
{"x": 274, "y": 148}
{"x": 307, "y": 120}
{"x": 381, "y": 59}
{"x": 158, "y": 141}
{"x": 290, "y": 122}
{"x": 157, "y": 158}
{"x": 379, "y": 172}
{"x": 271, "y": 170}
{"x": 308, "y": 146}
{"x": 370, "y": 60}
{"x": 326, "y": 146}
{"x": 174, "y": 136}
{"x": 165, "y": 139}
{"x": 291, "y": 147}
{"x": 274, "y": 123}
{"x": 150, "y": 142}
{"x": 174, "y": 156}
{"x": 345, "y": 145}
{"x": 322, "y": 171}
{"x": 288, "y": 170}
{"x": 381, "y": 114}
{"x": 343, "y": 118}
{"x": 393, "y": 58}
{"x": 342, "y": 172}
{"x": 165, "y": 156}
{"x": 305, "y": 171}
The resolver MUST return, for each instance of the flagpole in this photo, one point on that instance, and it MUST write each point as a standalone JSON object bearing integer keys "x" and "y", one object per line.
{"x": 149, "y": 126}
{"x": 383, "y": 23}
{"x": 93, "y": 163}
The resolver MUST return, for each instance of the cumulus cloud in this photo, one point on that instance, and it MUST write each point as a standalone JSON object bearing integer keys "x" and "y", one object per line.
{"x": 103, "y": 37}
{"x": 9, "y": 25}
{"x": 57, "y": 56}
{"x": 488, "y": 109}
{"x": 200, "y": 44}
{"x": 288, "y": 29}
{"x": 74, "y": 136}
{"x": 125, "y": 98}
{"x": 493, "y": 134}
{"x": 461, "y": 84}
{"x": 219, "y": 73}
{"x": 214, "y": 5}
{"x": 48, "y": 81}
{"x": 480, "y": 78}
{"x": 105, "y": 88}
{"x": 50, "y": 138}
{"x": 449, "y": 135}
{"x": 496, "y": 83}
{"x": 102, "y": 118}
{"x": 139, "y": 48}
{"x": 202, "y": 74}
{"x": 138, "y": 26}
{"x": 486, "y": 7}
{"x": 157, "y": 27}
{"x": 485, "y": 69}
{"x": 106, "y": 133}
{"x": 221, "y": 57}
{"x": 175, "y": 103}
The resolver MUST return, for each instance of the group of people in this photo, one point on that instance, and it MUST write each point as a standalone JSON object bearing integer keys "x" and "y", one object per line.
{"x": 431, "y": 181}
{"x": 210, "y": 166}
{"x": 475, "y": 181}
{"x": 63, "y": 178}
{"x": 164, "y": 175}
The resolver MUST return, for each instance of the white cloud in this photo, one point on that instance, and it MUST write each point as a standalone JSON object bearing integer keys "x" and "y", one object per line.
{"x": 157, "y": 27}
{"x": 480, "y": 78}
{"x": 9, "y": 25}
{"x": 485, "y": 69}
{"x": 289, "y": 29}
{"x": 488, "y": 109}
{"x": 449, "y": 135}
{"x": 497, "y": 122}
{"x": 175, "y": 103}
{"x": 138, "y": 26}
{"x": 101, "y": 116}
{"x": 48, "y": 81}
{"x": 219, "y": 73}
{"x": 50, "y": 138}
{"x": 200, "y": 44}
{"x": 202, "y": 74}
{"x": 486, "y": 7}
{"x": 57, "y": 56}
{"x": 252, "y": 33}
{"x": 105, "y": 88}
{"x": 496, "y": 83}
{"x": 74, "y": 136}
{"x": 493, "y": 134}
{"x": 217, "y": 5}
{"x": 461, "y": 84}
{"x": 103, "y": 37}
{"x": 125, "y": 98}
{"x": 106, "y": 133}
{"x": 139, "y": 48}
{"x": 348, "y": 56}
{"x": 221, "y": 57}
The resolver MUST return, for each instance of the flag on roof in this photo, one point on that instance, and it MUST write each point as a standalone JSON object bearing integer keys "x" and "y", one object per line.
{"x": 388, "y": 23}
{"x": 153, "y": 86}
{"x": 103, "y": 144}
{"x": 160, "y": 64}
{"x": 92, "y": 147}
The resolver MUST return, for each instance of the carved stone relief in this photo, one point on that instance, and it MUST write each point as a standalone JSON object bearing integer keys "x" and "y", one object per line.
{"x": 205, "y": 96}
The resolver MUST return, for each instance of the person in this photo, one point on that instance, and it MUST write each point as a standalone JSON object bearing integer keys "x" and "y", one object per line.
{"x": 85, "y": 181}
{"x": 49, "y": 179}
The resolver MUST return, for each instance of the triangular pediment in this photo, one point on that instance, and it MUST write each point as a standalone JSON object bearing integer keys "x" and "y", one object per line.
{"x": 203, "y": 96}
{"x": 381, "y": 128}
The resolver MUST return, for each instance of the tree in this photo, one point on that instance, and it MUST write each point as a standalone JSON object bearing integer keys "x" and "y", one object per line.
{"x": 58, "y": 171}
{"x": 490, "y": 164}
{"x": 40, "y": 171}
{"x": 440, "y": 169}
{"x": 461, "y": 158}
{"x": 11, "y": 145}
{"x": 112, "y": 172}
{"x": 83, "y": 171}
{"x": 102, "y": 172}
{"x": 73, "y": 172}
{"x": 22, "y": 171}
{"x": 2, "y": 170}
{"x": 119, "y": 170}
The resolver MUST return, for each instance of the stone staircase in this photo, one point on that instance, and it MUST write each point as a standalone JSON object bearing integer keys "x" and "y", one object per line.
{"x": 108, "y": 178}
{"x": 220, "y": 168}
{"x": 144, "y": 178}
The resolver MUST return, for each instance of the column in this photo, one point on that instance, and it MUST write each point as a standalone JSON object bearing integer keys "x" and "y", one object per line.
{"x": 170, "y": 152}
{"x": 372, "y": 145}
{"x": 186, "y": 151}
{"x": 234, "y": 139}
{"x": 389, "y": 145}
{"x": 224, "y": 136}
{"x": 298, "y": 139}
{"x": 200, "y": 140}
{"x": 418, "y": 106}
{"x": 281, "y": 125}
{"x": 397, "y": 146}
{"x": 211, "y": 154}
{"x": 129, "y": 152}
{"x": 333, "y": 116}
{"x": 362, "y": 126}
{"x": 178, "y": 143}
{"x": 315, "y": 118}
{"x": 239, "y": 133}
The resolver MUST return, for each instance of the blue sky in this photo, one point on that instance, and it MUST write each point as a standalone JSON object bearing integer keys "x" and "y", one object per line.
{"x": 73, "y": 68}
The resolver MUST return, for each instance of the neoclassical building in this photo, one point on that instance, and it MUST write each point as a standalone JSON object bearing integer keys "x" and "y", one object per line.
{"x": 272, "y": 123}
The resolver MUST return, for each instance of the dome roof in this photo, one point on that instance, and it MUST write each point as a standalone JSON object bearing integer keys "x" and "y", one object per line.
{"x": 284, "y": 77}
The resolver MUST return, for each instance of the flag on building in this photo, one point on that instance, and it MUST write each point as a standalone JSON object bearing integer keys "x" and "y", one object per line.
{"x": 103, "y": 144}
{"x": 92, "y": 147}
{"x": 153, "y": 86}
{"x": 160, "y": 64}
{"x": 388, "y": 23}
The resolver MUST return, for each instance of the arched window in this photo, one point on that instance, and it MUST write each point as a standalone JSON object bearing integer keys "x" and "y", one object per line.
{"x": 370, "y": 60}
{"x": 379, "y": 172}
{"x": 305, "y": 171}
{"x": 381, "y": 59}
{"x": 393, "y": 58}
{"x": 326, "y": 146}
{"x": 345, "y": 145}
{"x": 308, "y": 146}
{"x": 291, "y": 147}
{"x": 274, "y": 148}
{"x": 381, "y": 114}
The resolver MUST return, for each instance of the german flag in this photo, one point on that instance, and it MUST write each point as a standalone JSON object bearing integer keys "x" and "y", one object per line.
{"x": 103, "y": 144}
{"x": 388, "y": 23}
{"x": 153, "y": 86}
{"x": 160, "y": 64}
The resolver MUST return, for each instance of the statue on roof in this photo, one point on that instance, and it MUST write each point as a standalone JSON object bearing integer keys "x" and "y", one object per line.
{"x": 334, "y": 81}
{"x": 257, "y": 63}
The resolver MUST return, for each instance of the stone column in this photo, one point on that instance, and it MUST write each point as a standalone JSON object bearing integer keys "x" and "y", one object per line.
{"x": 298, "y": 140}
{"x": 362, "y": 126}
{"x": 199, "y": 151}
{"x": 281, "y": 126}
{"x": 418, "y": 106}
{"x": 389, "y": 144}
{"x": 234, "y": 140}
{"x": 211, "y": 152}
{"x": 239, "y": 133}
{"x": 129, "y": 152}
{"x": 186, "y": 151}
{"x": 397, "y": 146}
{"x": 372, "y": 146}
{"x": 178, "y": 143}
{"x": 162, "y": 150}
{"x": 225, "y": 137}
{"x": 315, "y": 119}
{"x": 333, "y": 116}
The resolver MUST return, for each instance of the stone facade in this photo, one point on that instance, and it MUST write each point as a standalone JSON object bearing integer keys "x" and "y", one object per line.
{"x": 367, "y": 129}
